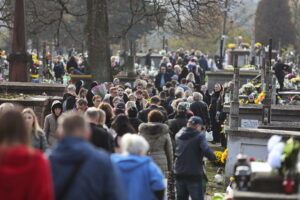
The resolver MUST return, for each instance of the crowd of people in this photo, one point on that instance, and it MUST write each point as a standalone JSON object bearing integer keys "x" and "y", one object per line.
{"x": 144, "y": 140}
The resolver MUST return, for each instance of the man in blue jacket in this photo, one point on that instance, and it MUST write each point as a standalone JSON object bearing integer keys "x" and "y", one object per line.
{"x": 79, "y": 170}
{"x": 191, "y": 146}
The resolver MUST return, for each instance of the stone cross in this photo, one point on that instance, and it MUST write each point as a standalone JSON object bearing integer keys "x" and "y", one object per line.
{"x": 268, "y": 87}
{"x": 234, "y": 111}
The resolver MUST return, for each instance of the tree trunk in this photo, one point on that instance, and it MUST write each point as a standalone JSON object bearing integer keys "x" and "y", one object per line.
{"x": 98, "y": 40}
{"x": 18, "y": 70}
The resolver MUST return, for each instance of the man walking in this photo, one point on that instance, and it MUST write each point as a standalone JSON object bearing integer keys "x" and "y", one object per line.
{"x": 79, "y": 170}
{"x": 191, "y": 146}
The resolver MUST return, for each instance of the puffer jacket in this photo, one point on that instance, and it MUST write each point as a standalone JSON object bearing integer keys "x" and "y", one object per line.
{"x": 161, "y": 150}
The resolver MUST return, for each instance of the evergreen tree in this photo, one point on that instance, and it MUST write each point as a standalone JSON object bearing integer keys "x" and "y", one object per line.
{"x": 273, "y": 20}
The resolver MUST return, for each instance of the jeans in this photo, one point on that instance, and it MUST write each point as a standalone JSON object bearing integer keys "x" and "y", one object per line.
{"x": 185, "y": 188}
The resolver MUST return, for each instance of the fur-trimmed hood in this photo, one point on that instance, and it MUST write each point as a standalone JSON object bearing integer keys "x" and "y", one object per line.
{"x": 153, "y": 129}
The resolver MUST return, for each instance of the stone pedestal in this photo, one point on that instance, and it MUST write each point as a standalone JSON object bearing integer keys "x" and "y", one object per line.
{"x": 223, "y": 76}
{"x": 32, "y": 88}
{"x": 251, "y": 142}
{"x": 280, "y": 113}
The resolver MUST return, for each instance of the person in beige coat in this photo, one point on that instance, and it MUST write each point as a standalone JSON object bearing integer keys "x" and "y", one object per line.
{"x": 157, "y": 135}
{"x": 50, "y": 123}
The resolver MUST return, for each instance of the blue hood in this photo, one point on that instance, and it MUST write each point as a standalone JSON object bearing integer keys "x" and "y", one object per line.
{"x": 130, "y": 162}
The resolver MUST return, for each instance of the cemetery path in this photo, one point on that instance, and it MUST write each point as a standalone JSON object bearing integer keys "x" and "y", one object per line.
{"x": 211, "y": 170}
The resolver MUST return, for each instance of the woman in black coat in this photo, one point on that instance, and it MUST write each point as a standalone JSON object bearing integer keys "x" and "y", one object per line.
{"x": 216, "y": 127}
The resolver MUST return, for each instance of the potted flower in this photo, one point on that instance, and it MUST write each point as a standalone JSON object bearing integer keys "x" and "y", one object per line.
{"x": 283, "y": 156}
{"x": 231, "y": 46}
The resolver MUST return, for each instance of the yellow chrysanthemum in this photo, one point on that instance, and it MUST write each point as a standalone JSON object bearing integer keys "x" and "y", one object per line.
{"x": 258, "y": 44}
{"x": 224, "y": 156}
{"x": 231, "y": 46}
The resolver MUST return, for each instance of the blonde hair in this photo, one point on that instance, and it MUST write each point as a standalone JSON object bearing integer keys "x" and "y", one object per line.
{"x": 129, "y": 105}
{"x": 36, "y": 127}
{"x": 191, "y": 77}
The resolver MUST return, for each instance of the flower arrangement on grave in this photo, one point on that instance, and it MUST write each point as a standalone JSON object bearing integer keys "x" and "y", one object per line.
{"x": 247, "y": 89}
{"x": 231, "y": 46}
{"x": 290, "y": 76}
{"x": 245, "y": 45}
{"x": 258, "y": 45}
{"x": 228, "y": 67}
{"x": 260, "y": 98}
{"x": 295, "y": 80}
{"x": 248, "y": 67}
{"x": 283, "y": 156}
{"x": 35, "y": 60}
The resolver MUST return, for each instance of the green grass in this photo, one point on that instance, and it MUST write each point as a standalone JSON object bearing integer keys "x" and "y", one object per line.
{"x": 211, "y": 170}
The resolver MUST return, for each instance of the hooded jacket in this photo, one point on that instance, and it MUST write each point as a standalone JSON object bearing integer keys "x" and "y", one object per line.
{"x": 191, "y": 147}
{"x": 161, "y": 149}
{"x": 50, "y": 124}
{"x": 96, "y": 177}
{"x": 140, "y": 176}
{"x": 24, "y": 174}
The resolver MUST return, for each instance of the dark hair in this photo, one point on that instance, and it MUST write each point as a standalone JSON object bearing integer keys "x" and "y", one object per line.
{"x": 121, "y": 86}
{"x": 156, "y": 116}
{"x": 183, "y": 81}
{"x": 132, "y": 112}
{"x": 172, "y": 92}
{"x": 122, "y": 125}
{"x": 169, "y": 84}
{"x": 174, "y": 83}
{"x": 13, "y": 129}
{"x": 155, "y": 100}
{"x": 81, "y": 102}
{"x": 197, "y": 88}
{"x": 149, "y": 85}
{"x": 162, "y": 95}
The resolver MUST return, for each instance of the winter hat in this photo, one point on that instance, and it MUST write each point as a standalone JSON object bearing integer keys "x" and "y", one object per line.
{"x": 195, "y": 120}
{"x": 120, "y": 106}
{"x": 127, "y": 85}
{"x": 183, "y": 107}
{"x": 174, "y": 77}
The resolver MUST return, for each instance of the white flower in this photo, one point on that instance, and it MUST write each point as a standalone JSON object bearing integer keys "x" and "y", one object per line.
{"x": 274, "y": 158}
{"x": 275, "y": 139}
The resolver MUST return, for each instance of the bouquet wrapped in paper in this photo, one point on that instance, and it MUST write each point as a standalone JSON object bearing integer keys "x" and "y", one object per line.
{"x": 99, "y": 90}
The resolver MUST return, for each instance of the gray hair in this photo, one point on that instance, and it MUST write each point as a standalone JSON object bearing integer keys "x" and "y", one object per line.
{"x": 6, "y": 107}
{"x": 92, "y": 113}
{"x": 134, "y": 144}
{"x": 71, "y": 88}
{"x": 197, "y": 96}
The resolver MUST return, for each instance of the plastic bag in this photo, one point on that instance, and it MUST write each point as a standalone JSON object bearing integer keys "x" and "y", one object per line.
{"x": 209, "y": 136}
